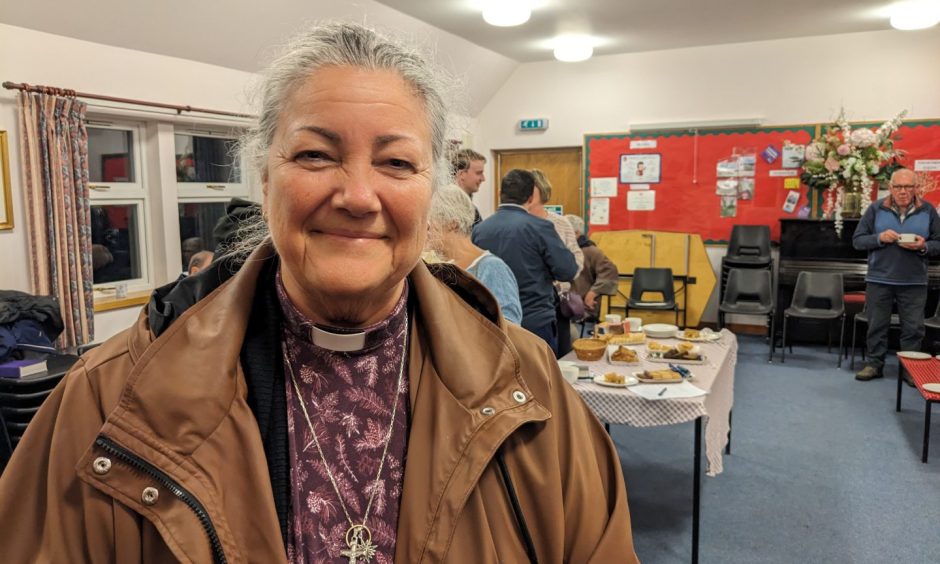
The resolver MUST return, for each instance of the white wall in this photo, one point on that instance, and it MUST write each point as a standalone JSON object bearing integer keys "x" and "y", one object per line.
{"x": 873, "y": 75}
{"x": 40, "y": 58}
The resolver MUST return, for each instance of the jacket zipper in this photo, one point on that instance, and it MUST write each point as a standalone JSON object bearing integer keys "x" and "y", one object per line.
{"x": 173, "y": 486}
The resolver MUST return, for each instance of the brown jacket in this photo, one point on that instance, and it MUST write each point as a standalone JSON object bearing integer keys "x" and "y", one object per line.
{"x": 171, "y": 414}
{"x": 599, "y": 273}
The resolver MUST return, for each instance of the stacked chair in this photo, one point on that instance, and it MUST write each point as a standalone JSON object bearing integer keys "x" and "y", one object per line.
{"x": 749, "y": 248}
{"x": 20, "y": 399}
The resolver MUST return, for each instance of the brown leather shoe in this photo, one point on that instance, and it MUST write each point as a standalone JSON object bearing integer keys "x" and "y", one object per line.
{"x": 868, "y": 373}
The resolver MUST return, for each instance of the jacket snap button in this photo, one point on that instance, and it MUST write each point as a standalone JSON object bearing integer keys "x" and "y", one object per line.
{"x": 518, "y": 396}
{"x": 149, "y": 496}
{"x": 487, "y": 411}
{"x": 101, "y": 465}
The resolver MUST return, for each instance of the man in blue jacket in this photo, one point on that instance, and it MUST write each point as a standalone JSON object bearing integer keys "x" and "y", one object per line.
{"x": 899, "y": 232}
{"x": 533, "y": 251}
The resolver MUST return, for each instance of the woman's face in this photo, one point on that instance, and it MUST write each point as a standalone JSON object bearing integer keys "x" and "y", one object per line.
{"x": 347, "y": 191}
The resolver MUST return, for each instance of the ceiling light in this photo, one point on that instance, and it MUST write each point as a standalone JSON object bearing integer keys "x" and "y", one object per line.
{"x": 918, "y": 14}
{"x": 573, "y": 48}
{"x": 506, "y": 13}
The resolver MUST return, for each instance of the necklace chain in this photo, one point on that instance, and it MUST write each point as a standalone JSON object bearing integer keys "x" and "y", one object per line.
{"x": 388, "y": 437}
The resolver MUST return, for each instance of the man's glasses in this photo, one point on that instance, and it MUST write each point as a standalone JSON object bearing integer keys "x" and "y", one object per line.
{"x": 899, "y": 187}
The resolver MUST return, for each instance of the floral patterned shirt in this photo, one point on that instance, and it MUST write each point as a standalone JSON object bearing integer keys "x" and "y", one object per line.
{"x": 349, "y": 397}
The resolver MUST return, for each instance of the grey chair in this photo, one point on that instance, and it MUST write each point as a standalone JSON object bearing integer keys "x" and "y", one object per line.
{"x": 862, "y": 317}
{"x": 749, "y": 292}
{"x": 749, "y": 246}
{"x": 817, "y": 296}
{"x": 654, "y": 281}
{"x": 932, "y": 322}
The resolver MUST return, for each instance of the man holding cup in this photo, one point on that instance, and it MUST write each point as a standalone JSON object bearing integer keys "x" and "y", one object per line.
{"x": 899, "y": 232}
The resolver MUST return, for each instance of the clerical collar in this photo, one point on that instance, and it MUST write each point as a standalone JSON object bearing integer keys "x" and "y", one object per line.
{"x": 340, "y": 339}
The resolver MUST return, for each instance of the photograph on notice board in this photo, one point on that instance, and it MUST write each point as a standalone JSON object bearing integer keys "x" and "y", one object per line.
{"x": 729, "y": 206}
{"x": 640, "y": 169}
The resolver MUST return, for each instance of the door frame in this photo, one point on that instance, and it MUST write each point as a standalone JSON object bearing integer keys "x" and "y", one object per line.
{"x": 498, "y": 157}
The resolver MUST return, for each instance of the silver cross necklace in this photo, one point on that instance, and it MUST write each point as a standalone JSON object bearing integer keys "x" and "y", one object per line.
{"x": 358, "y": 536}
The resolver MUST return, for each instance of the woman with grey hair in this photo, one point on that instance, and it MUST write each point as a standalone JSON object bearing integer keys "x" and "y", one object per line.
{"x": 451, "y": 221}
{"x": 329, "y": 398}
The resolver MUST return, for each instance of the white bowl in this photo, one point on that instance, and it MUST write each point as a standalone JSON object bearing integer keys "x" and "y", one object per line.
{"x": 660, "y": 330}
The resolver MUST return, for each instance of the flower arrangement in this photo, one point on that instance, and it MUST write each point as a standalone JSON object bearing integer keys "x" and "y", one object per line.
{"x": 846, "y": 163}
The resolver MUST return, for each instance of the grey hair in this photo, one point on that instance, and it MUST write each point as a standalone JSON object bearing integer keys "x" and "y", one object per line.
{"x": 451, "y": 209}
{"x": 337, "y": 45}
{"x": 576, "y": 223}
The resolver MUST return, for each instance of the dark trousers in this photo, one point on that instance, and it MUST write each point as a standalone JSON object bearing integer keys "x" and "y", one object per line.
{"x": 564, "y": 333}
{"x": 879, "y": 299}
{"x": 549, "y": 334}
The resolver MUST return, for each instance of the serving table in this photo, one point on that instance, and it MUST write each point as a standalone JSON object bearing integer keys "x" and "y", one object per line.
{"x": 621, "y": 406}
{"x": 925, "y": 371}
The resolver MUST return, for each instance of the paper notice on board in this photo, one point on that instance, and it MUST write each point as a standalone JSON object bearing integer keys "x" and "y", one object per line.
{"x": 784, "y": 172}
{"x": 642, "y": 200}
{"x": 791, "y": 183}
{"x": 926, "y": 165}
{"x": 604, "y": 187}
{"x": 600, "y": 211}
{"x": 643, "y": 144}
{"x": 639, "y": 186}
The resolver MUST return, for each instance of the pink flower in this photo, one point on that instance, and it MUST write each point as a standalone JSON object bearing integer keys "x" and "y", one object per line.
{"x": 832, "y": 164}
{"x": 813, "y": 153}
{"x": 844, "y": 150}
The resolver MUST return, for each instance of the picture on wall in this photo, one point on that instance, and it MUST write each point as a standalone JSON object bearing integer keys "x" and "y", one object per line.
{"x": 640, "y": 169}
{"x": 6, "y": 199}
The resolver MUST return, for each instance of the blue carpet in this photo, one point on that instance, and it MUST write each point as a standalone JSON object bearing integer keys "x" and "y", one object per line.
{"x": 822, "y": 470}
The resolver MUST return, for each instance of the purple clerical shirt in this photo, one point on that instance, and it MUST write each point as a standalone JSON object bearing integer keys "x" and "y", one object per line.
{"x": 349, "y": 397}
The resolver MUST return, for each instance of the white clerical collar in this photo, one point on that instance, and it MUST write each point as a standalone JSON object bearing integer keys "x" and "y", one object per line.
{"x": 339, "y": 342}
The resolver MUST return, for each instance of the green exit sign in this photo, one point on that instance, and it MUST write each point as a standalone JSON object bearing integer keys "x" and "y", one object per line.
{"x": 540, "y": 124}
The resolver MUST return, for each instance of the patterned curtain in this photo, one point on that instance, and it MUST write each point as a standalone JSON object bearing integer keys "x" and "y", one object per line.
{"x": 54, "y": 145}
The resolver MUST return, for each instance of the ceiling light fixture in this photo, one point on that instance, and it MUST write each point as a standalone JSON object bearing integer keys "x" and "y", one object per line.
{"x": 573, "y": 48}
{"x": 918, "y": 14}
{"x": 507, "y": 13}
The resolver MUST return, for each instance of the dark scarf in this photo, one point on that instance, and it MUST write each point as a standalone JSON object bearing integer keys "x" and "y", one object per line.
{"x": 583, "y": 241}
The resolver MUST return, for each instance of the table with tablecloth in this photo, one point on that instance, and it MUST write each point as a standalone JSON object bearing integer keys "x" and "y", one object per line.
{"x": 622, "y": 407}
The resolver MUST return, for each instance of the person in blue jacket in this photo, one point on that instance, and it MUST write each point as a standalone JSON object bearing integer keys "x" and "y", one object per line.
{"x": 532, "y": 249}
{"x": 899, "y": 232}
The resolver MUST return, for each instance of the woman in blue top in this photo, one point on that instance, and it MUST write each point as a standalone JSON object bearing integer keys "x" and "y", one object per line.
{"x": 451, "y": 221}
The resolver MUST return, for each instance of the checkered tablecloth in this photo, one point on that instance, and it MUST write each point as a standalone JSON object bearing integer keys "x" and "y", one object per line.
{"x": 622, "y": 407}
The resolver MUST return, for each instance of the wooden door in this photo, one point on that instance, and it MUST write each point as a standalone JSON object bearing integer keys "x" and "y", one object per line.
{"x": 562, "y": 167}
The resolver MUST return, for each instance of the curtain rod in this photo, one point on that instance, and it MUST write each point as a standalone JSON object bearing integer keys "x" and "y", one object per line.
{"x": 66, "y": 92}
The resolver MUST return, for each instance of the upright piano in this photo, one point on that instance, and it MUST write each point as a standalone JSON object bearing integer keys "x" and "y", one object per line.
{"x": 812, "y": 245}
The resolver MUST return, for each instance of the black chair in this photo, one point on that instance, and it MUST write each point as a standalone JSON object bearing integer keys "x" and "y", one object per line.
{"x": 21, "y": 398}
{"x": 933, "y": 322}
{"x": 862, "y": 317}
{"x": 657, "y": 281}
{"x": 817, "y": 296}
{"x": 749, "y": 246}
{"x": 749, "y": 292}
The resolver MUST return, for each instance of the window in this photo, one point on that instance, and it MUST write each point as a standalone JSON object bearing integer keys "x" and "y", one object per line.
{"x": 114, "y": 168}
{"x": 116, "y": 243}
{"x": 208, "y": 164}
{"x": 118, "y": 203}
{"x": 197, "y": 222}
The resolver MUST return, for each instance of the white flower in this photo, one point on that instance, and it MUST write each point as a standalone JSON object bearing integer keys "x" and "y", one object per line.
{"x": 864, "y": 138}
{"x": 873, "y": 169}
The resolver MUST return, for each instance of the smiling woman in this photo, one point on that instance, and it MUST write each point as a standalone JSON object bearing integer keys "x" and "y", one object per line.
{"x": 320, "y": 394}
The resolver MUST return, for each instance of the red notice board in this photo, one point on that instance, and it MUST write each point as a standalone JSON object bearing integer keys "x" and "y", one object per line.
{"x": 685, "y": 195}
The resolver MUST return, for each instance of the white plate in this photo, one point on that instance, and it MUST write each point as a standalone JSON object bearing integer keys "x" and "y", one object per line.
{"x": 914, "y": 355}
{"x": 627, "y": 381}
{"x": 660, "y": 330}
{"x": 932, "y": 387}
{"x": 705, "y": 337}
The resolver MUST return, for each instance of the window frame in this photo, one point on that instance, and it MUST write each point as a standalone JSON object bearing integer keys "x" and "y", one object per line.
{"x": 203, "y": 190}
{"x": 119, "y": 190}
{"x": 142, "y": 215}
